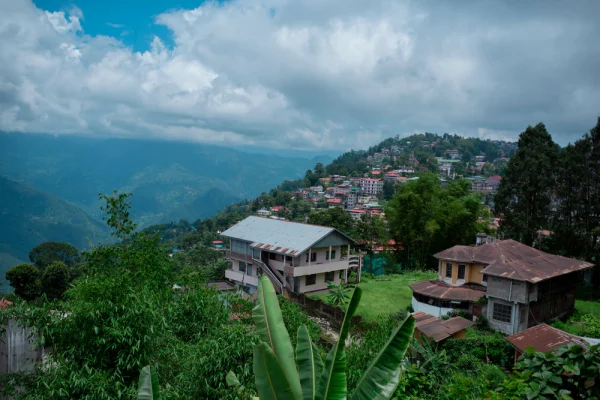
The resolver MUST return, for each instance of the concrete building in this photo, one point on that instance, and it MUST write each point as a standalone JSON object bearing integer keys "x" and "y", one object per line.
{"x": 296, "y": 257}
{"x": 515, "y": 286}
{"x": 371, "y": 186}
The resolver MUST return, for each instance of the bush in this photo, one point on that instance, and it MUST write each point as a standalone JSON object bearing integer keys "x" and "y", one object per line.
{"x": 492, "y": 348}
{"x": 455, "y": 313}
{"x": 482, "y": 323}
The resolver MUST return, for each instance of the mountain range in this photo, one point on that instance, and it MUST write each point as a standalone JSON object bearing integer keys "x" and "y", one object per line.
{"x": 50, "y": 184}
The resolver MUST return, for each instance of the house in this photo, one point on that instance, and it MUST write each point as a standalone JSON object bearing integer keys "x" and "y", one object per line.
{"x": 217, "y": 244}
{"x": 544, "y": 338}
{"x": 435, "y": 329}
{"x": 334, "y": 202}
{"x": 493, "y": 182}
{"x": 413, "y": 160}
{"x": 296, "y": 257}
{"x": 453, "y": 154}
{"x": 515, "y": 286}
{"x": 357, "y": 213}
{"x": 263, "y": 212}
{"x": 277, "y": 209}
{"x": 371, "y": 186}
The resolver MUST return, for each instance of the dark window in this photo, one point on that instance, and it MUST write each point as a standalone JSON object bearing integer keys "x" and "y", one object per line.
{"x": 242, "y": 266}
{"x": 448, "y": 270}
{"x": 313, "y": 257}
{"x": 249, "y": 270}
{"x": 484, "y": 278}
{"x": 523, "y": 315}
{"x": 311, "y": 279}
{"x": 333, "y": 254}
{"x": 327, "y": 255}
{"x": 306, "y": 257}
{"x": 288, "y": 259}
{"x": 329, "y": 276}
{"x": 461, "y": 271}
{"x": 341, "y": 274}
{"x": 502, "y": 312}
{"x": 272, "y": 256}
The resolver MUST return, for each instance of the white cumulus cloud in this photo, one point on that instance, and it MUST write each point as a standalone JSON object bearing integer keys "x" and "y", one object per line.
{"x": 310, "y": 74}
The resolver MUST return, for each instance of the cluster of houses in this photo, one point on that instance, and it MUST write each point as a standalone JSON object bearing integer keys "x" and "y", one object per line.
{"x": 515, "y": 287}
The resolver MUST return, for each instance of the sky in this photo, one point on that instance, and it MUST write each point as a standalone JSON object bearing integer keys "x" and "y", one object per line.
{"x": 305, "y": 75}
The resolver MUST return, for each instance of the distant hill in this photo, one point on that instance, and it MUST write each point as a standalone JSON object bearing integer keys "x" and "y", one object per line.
{"x": 169, "y": 180}
{"x": 29, "y": 217}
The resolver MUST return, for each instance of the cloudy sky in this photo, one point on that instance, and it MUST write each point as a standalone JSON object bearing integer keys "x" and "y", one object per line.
{"x": 310, "y": 74}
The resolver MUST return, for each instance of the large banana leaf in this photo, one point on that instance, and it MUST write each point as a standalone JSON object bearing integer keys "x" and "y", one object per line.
{"x": 383, "y": 375}
{"x": 272, "y": 331}
{"x": 148, "y": 385}
{"x": 332, "y": 385}
{"x": 309, "y": 364}
{"x": 271, "y": 382}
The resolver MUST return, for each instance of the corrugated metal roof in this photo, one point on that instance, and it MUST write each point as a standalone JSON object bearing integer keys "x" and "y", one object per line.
{"x": 290, "y": 238}
{"x": 437, "y": 329}
{"x": 513, "y": 260}
{"x": 441, "y": 290}
{"x": 544, "y": 338}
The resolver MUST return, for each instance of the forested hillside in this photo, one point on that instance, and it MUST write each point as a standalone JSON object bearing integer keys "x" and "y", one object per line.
{"x": 29, "y": 217}
{"x": 169, "y": 180}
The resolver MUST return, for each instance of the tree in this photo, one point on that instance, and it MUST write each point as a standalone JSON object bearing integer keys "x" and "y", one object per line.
{"x": 25, "y": 278}
{"x": 334, "y": 217}
{"x": 46, "y": 253}
{"x": 319, "y": 170}
{"x": 524, "y": 199}
{"x": 337, "y": 296}
{"x": 425, "y": 218}
{"x": 55, "y": 280}
{"x": 388, "y": 190}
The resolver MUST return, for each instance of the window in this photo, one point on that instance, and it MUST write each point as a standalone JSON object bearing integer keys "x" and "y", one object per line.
{"x": 249, "y": 270}
{"x": 311, "y": 279}
{"x": 333, "y": 254}
{"x": 448, "y": 270}
{"x": 341, "y": 274}
{"x": 327, "y": 255}
{"x": 461, "y": 271}
{"x": 484, "y": 278}
{"x": 313, "y": 257}
{"x": 523, "y": 315}
{"x": 288, "y": 259}
{"x": 502, "y": 312}
{"x": 242, "y": 266}
{"x": 329, "y": 276}
{"x": 272, "y": 256}
{"x": 306, "y": 257}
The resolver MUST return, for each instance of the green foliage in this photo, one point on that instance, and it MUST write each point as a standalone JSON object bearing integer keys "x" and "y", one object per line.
{"x": 337, "y": 296}
{"x": 117, "y": 214}
{"x": 55, "y": 279}
{"x": 427, "y": 218}
{"x": 276, "y": 379}
{"x": 484, "y": 347}
{"x": 335, "y": 217}
{"x": 525, "y": 196}
{"x": 569, "y": 373}
{"x": 25, "y": 278}
{"x": 48, "y": 252}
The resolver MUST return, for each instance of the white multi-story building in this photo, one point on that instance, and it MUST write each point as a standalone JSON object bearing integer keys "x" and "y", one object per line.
{"x": 371, "y": 186}
{"x": 298, "y": 257}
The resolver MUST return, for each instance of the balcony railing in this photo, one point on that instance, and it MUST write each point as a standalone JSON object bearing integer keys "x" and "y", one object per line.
{"x": 240, "y": 277}
{"x": 320, "y": 268}
{"x": 232, "y": 255}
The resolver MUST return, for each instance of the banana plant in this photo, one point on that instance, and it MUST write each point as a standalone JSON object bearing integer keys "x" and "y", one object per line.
{"x": 148, "y": 385}
{"x": 278, "y": 376}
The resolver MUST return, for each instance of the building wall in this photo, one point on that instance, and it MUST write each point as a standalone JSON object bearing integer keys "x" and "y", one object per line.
{"x": 17, "y": 351}
{"x": 320, "y": 283}
{"x": 431, "y": 310}
{"x": 501, "y": 288}
{"x": 321, "y": 256}
{"x": 472, "y": 273}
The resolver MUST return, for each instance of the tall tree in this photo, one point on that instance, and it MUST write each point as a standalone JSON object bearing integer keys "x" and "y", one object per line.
{"x": 46, "y": 253}
{"x": 25, "y": 278}
{"x": 524, "y": 199}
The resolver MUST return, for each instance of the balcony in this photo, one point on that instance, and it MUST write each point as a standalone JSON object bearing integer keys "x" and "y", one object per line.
{"x": 240, "y": 277}
{"x": 320, "y": 268}
{"x": 232, "y": 255}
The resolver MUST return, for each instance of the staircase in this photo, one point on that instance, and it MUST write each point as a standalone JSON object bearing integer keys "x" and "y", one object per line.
{"x": 272, "y": 273}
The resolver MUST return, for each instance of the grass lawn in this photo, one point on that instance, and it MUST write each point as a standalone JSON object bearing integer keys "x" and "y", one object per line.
{"x": 384, "y": 295}
{"x": 588, "y": 307}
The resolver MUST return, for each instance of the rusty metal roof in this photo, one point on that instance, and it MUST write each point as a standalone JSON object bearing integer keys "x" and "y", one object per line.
{"x": 513, "y": 260}
{"x": 437, "y": 329}
{"x": 441, "y": 290}
{"x": 284, "y": 237}
{"x": 544, "y": 338}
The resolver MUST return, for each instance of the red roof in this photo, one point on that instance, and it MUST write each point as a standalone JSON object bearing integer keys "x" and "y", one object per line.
{"x": 5, "y": 304}
{"x": 401, "y": 178}
{"x": 376, "y": 172}
{"x": 441, "y": 290}
{"x": 494, "y": 178}
{"x": 357, "y": 211}
{"x": 217, "y": 242}
{"x": 513, "y": 260}
{"x": 437, "y": 329}
{"x": 334, "y": 201}
{"x": 543, "y": 338}
{"x": 276, "y": 208}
